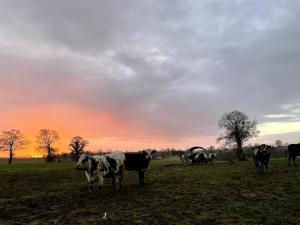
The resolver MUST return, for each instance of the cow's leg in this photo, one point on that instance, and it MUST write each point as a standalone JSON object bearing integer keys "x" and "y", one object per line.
{"x": 121, "y": 175}
{"x": 91, "y": 188}
{"x": 290, "y": 159}
{"x": 100, "y": 184}
{"x": 113, "y": 181}
{"x": 265, "y": 163}
{"x": 294, "y": 159}
{"x": 257, "y": 165}
{"x": 141, "y": 177}
{"x": 89, "y": 180}
{"x": 116, "y": 183}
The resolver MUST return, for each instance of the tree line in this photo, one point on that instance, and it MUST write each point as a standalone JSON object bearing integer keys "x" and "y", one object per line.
{"x": 13, "y": 140}
{"x": 237, "y": 129}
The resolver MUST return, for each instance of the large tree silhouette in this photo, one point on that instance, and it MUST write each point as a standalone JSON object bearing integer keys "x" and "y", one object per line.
{"x": 45, "y": 139}
{"x": 238, "y": 129}
{"x": 12, "y": 140}
{"x": 77, "y": 146}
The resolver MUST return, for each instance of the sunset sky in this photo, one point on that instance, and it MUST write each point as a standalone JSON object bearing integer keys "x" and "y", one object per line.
{"x": 134, "y": 74}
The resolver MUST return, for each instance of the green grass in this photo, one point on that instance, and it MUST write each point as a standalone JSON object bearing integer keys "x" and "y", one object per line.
{"x": 225, "y": 193}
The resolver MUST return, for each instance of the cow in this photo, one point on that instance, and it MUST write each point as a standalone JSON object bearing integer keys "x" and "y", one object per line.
{"x": 138, "y": 161}
{"x": 293, "y": 151}
{"x": 98, "y": 167}
{"x": 261, "y": 157}
{"x": 199, "y": 158}
{"x": 211, "y": 157}
{"x": 183, "y": 159}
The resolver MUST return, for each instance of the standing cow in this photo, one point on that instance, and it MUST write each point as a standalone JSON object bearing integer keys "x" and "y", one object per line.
{"x": 261, "y": 157}
{"x": 294, "y": 151}
{"x": 211, "y": 156}
{"x": 138, "y": 161}
{"x": 98, "y": 167}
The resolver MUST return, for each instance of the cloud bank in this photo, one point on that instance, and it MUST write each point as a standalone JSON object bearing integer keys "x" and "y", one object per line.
{"x": 147, "y": 72}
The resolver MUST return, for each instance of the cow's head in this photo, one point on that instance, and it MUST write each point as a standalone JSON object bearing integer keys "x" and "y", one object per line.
{"x": 265, "y": 148}
{"x": 82, "y": 163}
{"x": 148, "y": 154}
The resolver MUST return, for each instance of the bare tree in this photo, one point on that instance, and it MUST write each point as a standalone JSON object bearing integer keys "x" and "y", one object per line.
{"x": 77, "y": 146}
{"x": 11, "y": 141}
{"x": 278, "y": 143}
{"x": 45, "y": 139}
{"x": 238, "y": 129}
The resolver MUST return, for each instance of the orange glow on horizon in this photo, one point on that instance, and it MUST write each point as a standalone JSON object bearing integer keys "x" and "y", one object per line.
{"x": 103, "y": 131}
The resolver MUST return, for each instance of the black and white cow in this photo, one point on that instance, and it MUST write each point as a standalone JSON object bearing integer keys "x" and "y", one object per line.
{"x": 139, "y": 162}
{"x": 261, "y": 157}
{"x": 294, "y": 151}
{"x": 211, "y": 156}
{"x": 98, "y": 167}
{"x": 185, "y": 159}
{"x": 199, "y": 158}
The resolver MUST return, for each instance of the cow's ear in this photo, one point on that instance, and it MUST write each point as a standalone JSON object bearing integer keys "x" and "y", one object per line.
{"x": 144, "y": 152}
{"x": 153, "y": 151}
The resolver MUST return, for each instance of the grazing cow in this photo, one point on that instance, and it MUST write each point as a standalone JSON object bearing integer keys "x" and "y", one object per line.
{"x": 294, "y": 151}
{"x": 211, "y": 157}
{"x": 98, "y": 167}
{"x": 261, "y": 157}
{"x": 138, "y": 162}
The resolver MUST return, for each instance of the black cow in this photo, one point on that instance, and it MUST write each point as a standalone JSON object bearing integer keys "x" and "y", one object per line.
{"x": 138, "y": 162}
{"x": 261, "y": 157}
{"x": 294, "y": 150}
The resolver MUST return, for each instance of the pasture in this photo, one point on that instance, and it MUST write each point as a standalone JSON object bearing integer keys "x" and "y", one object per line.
{"x": 225, "y": 193}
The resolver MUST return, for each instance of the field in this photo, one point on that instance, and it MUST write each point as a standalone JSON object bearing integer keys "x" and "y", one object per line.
{"x": 225, "y": 193}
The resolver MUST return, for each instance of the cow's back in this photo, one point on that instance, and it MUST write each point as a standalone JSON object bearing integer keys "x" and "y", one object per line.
{"x": 294, "y": 148}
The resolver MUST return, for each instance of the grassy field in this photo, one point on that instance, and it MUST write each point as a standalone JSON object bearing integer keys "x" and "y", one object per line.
{"x": 225, "y": 193}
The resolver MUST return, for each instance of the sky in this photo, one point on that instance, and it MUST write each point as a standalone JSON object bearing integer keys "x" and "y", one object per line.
{"x": 129, "y": 75}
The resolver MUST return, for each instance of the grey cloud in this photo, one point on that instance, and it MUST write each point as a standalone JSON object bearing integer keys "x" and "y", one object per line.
{"x": 173, "y": 67}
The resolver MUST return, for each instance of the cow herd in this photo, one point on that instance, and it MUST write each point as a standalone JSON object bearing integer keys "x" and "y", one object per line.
{"x": 98, "y": 167}
{"x": 197, "y": 155}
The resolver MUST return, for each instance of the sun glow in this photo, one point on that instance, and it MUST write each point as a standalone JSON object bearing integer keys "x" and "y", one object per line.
{"x": 278, "y": 127}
